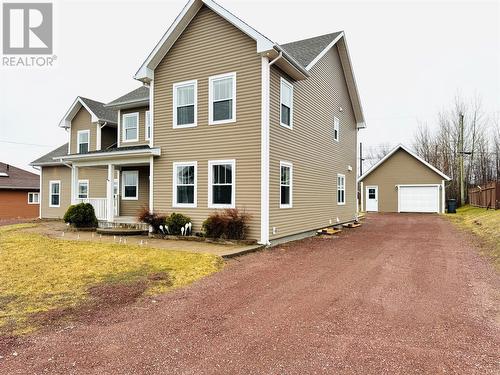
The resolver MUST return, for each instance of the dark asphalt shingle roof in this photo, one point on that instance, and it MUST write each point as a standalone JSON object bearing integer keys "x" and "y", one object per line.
{"x": 49, "y": 158}
{"x": 137, "y": 95}
{"x": 113, "y": 149}
{"x": 103, "y": 113}
{"x": 16, "y": 178}
{"x": 306, "y": 50}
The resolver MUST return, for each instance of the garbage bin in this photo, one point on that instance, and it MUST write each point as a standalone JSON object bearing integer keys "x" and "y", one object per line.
{"x": 452, "y": 206}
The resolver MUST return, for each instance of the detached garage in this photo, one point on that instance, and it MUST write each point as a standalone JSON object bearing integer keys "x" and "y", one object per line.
{"x": 403, "y": 182}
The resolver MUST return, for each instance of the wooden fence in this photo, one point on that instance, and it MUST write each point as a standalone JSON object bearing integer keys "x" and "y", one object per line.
{"x": 487, "y": 195}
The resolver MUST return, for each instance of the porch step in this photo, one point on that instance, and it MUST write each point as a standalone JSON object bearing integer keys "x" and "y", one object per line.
{"x": 122, "y": 231}
{"x": 328, "y": 231}
{"x": 352, "y": 225}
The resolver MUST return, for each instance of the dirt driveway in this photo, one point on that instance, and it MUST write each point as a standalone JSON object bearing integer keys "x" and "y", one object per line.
{"x": 404, "y": 294}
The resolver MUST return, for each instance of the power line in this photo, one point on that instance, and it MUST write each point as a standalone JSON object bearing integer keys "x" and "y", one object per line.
{"x": 25, "y": 144}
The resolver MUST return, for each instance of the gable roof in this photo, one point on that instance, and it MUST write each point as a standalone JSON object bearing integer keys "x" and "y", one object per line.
{"x": 136, "y": 97}
{"x": 17, "y": 178}
{"x": 48, "y": 159}
{"x": 411, "y": 153}
{"x": 305, "y": 51}
{"x": 97, "y": 110}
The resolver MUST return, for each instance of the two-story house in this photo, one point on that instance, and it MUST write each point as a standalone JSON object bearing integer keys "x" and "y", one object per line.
{"x": 225, "y": 118}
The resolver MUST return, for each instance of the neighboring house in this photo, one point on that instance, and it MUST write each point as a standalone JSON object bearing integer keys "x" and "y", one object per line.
{"x": 19, "y": 193}
{"x": 403, "y": 182}
{"x": 226, "y": 118}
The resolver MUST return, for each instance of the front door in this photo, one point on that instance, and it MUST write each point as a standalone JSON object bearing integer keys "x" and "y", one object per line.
{"x": 372, "y": 198}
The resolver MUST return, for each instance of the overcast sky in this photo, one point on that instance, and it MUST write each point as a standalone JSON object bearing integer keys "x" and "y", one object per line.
{"x": 409, "y": 58}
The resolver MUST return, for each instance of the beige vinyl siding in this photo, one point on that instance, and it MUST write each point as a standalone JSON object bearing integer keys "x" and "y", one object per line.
{"x": 310, "y": 147}
{"x": 82, "y": 121}
{"x": 62, "y": 174}
{"x": 141, "y": 130}
{"x": 97, "y": 178}
{"x": 210, "y": 46}
{"x": 108, "y": 136}
{"x": 399, "y": 169}
{"x": 133, "y": 207}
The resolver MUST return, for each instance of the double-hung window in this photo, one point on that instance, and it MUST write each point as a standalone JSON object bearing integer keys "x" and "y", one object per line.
{"x": 222, "y": 99}
{"x": 185, "y": 104}
{"x": 130, "y": 185}
{"x": 83, "y": 141}
{"x": 221, "y": 187}
{"x": 147, "y": 129}
{"x": 130, "y": 126}
{"x": 336, "y": 129}
{"x": 184, "y": 194}
{"x": 286, "y": 175}
{"x": 33, "y": 198}
{"x": 340, "y": 189}
{"x": 83, "y": 189}
{"x": 286, "y": 103}
{"x": 54, "y": 193}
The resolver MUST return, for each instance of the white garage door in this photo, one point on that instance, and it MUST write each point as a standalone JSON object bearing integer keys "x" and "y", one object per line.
{"x": 418, "y": 198}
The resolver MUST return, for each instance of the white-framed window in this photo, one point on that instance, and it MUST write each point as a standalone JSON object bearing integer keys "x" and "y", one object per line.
{"x": 286, "y": 176}
{"x": 185, "y": 184}
{"x": 336, "y": 129}
{"x": 222, "y": 99}
{"x": 340, "y": 189}
{"x": 33, "y": 198}
{"x": 83, "y": 141}
{"x": 221, "y": 183}
{"x": 130, "y": 127}
{"x": 147, "y": 126}
{"x": 130, "y": 185}
{"x": 185, "y": 104}
{"x": 83, "y": 189}
{"x": 286, "y": 103}
{"x": 116, "y": 186}
{"x": 54, "y": 193}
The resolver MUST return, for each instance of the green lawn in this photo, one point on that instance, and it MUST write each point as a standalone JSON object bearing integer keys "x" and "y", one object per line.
{"x": 39, "y": 274}
{"x": 485, "y": 224}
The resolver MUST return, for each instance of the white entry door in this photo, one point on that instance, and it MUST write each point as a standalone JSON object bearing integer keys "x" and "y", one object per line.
{"x": 372, "y": 198}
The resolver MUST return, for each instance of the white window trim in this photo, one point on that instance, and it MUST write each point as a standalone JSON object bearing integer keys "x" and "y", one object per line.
{"x": 78, "y": 143}
{"x": 210, "y": 98}
{"x": 78, "y": 188}
{"x": 53, "y": 182}
{"x": 290, "y": 165}
{"x": 127, "y": 115}
{"x": 337, "y": 192}
{"x": 336, "y": 127}
{"x": 174, "y": 180}
{"x": 233, "y": 187}
{"x": 32, "y": 194}
{"x": 174, "y": 95}
{"x": 146, "y": 123}
{"x": 124, "y": 173}
{"x": 286, "y": 83}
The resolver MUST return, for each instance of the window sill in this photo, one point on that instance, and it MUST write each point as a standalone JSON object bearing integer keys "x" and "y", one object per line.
{"x": 51, "y": 206}
{"x": 221, "y": 206}
{"x": 221, "y": 122}
{"x": 286, "y": 206}
{"x": 184, "y": 205}
{"x": 130, "y": 198}
{"x": 340, "y": 204}
{"x": 129, "y": 140}
{"x": 290, "y": 127}
{"x": 185, "y": 126}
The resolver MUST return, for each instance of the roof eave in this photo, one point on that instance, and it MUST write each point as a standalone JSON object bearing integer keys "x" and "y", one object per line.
{"x": 128, "y": 104}
{"x": 73, "y": 110}
{"x": 109, "y": 155}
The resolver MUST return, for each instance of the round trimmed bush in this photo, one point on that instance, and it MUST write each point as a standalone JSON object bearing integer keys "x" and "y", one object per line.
{"x": 81, "y": 215}
{"x": 175, "y": 222}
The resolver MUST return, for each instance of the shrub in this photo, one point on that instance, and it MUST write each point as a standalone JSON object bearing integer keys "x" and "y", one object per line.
{"x": 231, "y": 224}
{"x": 152, "y": 218}
{"x": 81, "y": 215}
{"x": 175, "y": 222}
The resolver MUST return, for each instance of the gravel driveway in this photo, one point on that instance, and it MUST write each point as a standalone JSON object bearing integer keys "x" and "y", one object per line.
{"x": 403, "y": 294}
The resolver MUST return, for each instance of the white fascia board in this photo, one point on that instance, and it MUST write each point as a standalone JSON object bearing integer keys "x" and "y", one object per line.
{"x": 323, "y": 53}
{"x": 73, "y": 110}
{"x": 112, "y": 154}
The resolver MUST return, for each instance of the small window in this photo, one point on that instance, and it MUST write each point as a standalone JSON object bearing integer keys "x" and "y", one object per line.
{"x": 336, "y": 129}
{"x": 147, "y": 130}
{"x": 130, "y": 185}
{"x": 222, "y": 99}
{"x": 184, "y": 184}
{"x": 83, "y": 141}
{"x": 83, "y": 189}
{"x": 33, "y": 198}
{"x": 54, "y": 193}
{"x": 221, "y": 175}
{"x": 340, "y": 189}
{"x": 371, "y": 193}
{"x": 286, "y": 175}
{"x": 115, "y": 187}
{"x": 286, "y": 104}
{"x": 185, "y": 107}
{"x": 130, "y": 127}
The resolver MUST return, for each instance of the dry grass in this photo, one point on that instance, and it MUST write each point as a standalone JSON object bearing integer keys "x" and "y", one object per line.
{"x": 40, "y": 274}
{"x": 483, "y": 223}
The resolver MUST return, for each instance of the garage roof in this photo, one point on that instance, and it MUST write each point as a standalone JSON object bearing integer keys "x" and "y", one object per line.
{"x": 404, "y": 148}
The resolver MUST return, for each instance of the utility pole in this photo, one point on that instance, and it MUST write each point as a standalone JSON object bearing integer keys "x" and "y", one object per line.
{"x": 461, "y": 159}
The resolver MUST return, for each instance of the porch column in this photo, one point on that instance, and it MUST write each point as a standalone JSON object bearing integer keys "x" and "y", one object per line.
{"x": 110, "y": 212}
{"x": 74, "y": 184}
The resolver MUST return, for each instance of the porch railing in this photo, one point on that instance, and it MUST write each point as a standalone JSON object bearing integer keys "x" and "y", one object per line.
{"x": 100, "y": 206}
